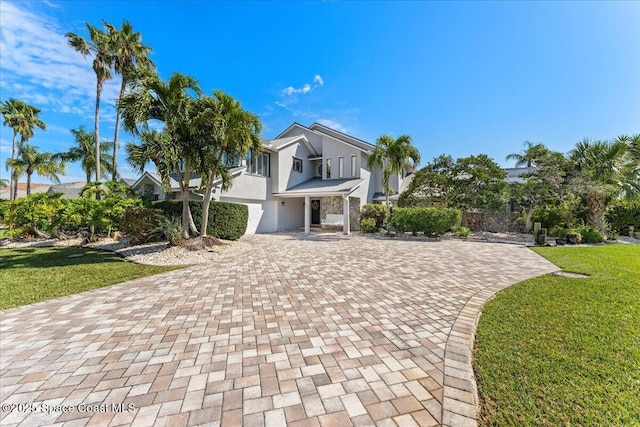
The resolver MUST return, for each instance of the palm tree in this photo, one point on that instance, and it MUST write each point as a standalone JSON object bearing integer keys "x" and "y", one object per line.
{"x": 170, "y": 103}
{"x": 393, "y": 155}
{"x": 599, "y": 174}
{"x": 84, "y": 152}
{"x": 129, "y": 56}
{"x": 221, "y": 126}
{"x": 30, "y": 160}
{"x": 98, "y": 46}
{"x": 532, "y": 153}
{"x": 23, "y": 119}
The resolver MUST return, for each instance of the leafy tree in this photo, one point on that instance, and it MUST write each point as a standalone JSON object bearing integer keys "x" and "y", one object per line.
{"x": 172, "y": 150}
{"x": 23, "y": 119}
{"x": 530, "y": 156}
{"x": 30, "y": 160}
{"x": 221, "y": 126}
{"x": 84, "y": 152}
{"x": 599, "y": 173}
{"x": 544, "y": 185}
{"x": 392, "y": 155}
{"x": 98, "y": 46}
{"x": 130, "y": 55}
{"x": 469, "y": 183}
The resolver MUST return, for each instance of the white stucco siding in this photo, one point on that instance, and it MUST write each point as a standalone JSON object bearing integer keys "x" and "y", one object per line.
{"x": 291, "y": 214}
{"x": 287, "y": 177}
{"x": 314, "y": 139}
{"x": 332, "y": 149}
{"x": 249, "y": 187}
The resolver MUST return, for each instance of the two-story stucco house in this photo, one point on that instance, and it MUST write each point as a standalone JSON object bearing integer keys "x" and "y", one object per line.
{"x": 305, "y": 177}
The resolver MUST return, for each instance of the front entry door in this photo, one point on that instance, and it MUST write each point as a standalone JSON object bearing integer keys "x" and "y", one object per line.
{"x": 315, "y": 211}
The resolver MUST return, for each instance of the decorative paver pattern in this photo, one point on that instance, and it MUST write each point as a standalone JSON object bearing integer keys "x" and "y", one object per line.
{"x": 320, "y": 330}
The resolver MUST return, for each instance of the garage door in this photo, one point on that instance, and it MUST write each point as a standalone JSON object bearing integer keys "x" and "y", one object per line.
{"x": 262, "y": 216}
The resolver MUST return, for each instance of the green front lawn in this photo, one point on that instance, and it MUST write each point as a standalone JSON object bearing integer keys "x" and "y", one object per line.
{"x": 36, "y": 274}
{"x": 560, "y": 351}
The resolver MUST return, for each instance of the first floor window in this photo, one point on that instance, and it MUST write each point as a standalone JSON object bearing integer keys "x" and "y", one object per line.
{"x": 340, "y": 167}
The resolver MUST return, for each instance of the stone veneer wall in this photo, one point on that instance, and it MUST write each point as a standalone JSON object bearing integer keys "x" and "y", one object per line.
{"x": 495, "y": 222}
{"x": 334, "y": 205}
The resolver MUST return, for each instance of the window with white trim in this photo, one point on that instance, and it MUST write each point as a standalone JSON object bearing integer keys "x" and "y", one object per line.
{"x": 354, "y": 172}
{"x": 258, "y": 165}
{"x": 297, "y": 165}
{"x": 329, "y": 168}
{"x": 340, "y": 167}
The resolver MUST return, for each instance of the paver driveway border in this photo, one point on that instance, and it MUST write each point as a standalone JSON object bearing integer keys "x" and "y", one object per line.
{"x": 300, "y": 330}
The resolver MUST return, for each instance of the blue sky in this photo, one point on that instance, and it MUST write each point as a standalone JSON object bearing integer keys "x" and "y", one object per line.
{"x": 461, "y": 78}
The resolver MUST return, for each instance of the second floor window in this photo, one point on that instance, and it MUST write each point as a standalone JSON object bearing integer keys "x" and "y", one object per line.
{"x": 354, "y": 172}
{"x": 340, "y": 167}
{"x": 297, "y": 165}
{"x": 259, "y": 164}
{"x": 329, "y": 168}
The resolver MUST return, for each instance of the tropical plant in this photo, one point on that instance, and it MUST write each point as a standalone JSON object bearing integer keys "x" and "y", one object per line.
{"x": 130, "y": 55}
{"x": 221, "y": 126}
{"x": 23, "y": 119}
{"x": 167, "y": 227}
{"x": 84, "y": 151}
{"x": 600, "y": 173}
{"x": 530, "y": 156}
{"x": 171, "y": 150}
{"x": 98, "y": 46}
{"x": 392, "y": 155}
{"x": 432, "y": 185}
{"x": 30, "y": 160}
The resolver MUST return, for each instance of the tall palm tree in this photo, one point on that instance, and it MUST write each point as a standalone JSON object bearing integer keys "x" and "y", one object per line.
{"x": 532, "y": 153}
{"x": 23, "y": 119}
{"x": 221, "y": 126}
{"x": 84, "y": 152}
{"x": 129, "y": 56}
{"x": 599, "y": 174}
{"x": 393, "y": 155}
{"x": 152, "y": 99}
{"x": 30, "y": 160}
{"x": 99, "y": 47}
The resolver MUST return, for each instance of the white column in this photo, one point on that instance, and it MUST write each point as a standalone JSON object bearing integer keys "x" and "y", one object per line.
{"x": 346, "y": 226}
{"x": 307, "y": 214}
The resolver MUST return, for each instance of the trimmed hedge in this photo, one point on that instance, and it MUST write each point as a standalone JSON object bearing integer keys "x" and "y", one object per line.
{"x": 368, "y": 225}
{"x": 433, "y": 222}
{"x": 376, "y": 212}
{"x": 226, "y": 220}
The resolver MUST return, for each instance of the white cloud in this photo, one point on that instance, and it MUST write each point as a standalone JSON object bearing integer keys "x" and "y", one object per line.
{"x": 333, "y": 125}
{"x": 39, "y": 67}
{"x": 305, "y": 88}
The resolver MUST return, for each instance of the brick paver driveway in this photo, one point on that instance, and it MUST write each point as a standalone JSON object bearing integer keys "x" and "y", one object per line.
{"x": 323, "y": 330}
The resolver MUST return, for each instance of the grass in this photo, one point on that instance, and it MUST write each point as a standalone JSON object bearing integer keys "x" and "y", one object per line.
{"x": 554, "y": 351}
{"x": 37, "y": 274}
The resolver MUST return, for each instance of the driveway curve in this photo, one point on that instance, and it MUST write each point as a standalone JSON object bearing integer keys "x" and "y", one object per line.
{"x": 319, "y": 330}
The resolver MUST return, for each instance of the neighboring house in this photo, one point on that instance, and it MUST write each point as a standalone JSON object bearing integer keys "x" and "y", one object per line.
{"x": 70, "y": 190}
{"x": 5, "y": 193}
{"x": 306, "y": 176}
{"x": 515, "y": 174}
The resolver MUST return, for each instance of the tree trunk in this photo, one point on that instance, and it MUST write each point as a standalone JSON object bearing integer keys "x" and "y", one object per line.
{"x": 596, "y": 207}
{"x": 28, "y": 183}
{"x": 14, "y": 188}
{"x": 97, "y": 129}
{"x": 115, "y": 138}
{"x": 528, "y": 224}
{"x": 207, "y": 199}
{"x": 13, "y": 184}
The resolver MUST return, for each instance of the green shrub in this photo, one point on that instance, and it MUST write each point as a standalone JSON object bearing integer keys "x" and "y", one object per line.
{"x": 82, "y": 213}
{"x": 590, "y": 235}
{"x": 226, "y": 220}
{"x": 623, "y": 214}
{"x": 375, "y": 212}
{"x": 36, "y": 212}
{"x": 137, "y": 223}
{"x": 167, "y": 227}
{"x": 368, "y": 225}
{"x": 551, "y": 216}
{"x": 433, "y": 222}
{"x": 4, "y": 208}
{"x": 574, "y": 236}
{"x": 558, "y": 232}
{"x": 463, "y": 231}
